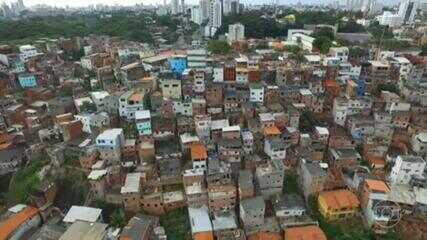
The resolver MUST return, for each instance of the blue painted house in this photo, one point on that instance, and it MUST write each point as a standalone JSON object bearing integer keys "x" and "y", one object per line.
{"x": 27, "y": 80}
{"x": 178, "y": 64}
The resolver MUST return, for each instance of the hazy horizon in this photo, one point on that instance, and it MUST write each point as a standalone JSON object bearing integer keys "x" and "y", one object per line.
{"x": 79, "y": 3}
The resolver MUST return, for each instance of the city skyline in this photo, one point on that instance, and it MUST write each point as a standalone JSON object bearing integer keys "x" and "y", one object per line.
{"x": 82, "y": 3}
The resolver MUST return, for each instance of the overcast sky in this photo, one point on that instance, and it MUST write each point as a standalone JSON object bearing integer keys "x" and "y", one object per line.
{"x": 74, "y": 3}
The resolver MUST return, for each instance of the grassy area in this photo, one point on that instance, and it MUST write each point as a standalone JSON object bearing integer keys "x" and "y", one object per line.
{"x": 176, "y": 224}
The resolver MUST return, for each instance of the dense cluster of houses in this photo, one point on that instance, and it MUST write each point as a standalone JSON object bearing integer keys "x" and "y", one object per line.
{"x": 221, "y": 136}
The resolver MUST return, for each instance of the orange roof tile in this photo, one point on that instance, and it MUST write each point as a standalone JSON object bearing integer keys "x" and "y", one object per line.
{"x": 305, "y": 233}
{"x": 265, "y": 236}
{"x": 136, "y": 97}
{"x": 340, "y": 199}
{"x": 203, "y": 236}
{"x": 376, "y": 160}
{"x": 272, "y": 131}
{"x": 377, "y": 185}
{"x": 12, "y": 223}
{"x": 198, "y": 151}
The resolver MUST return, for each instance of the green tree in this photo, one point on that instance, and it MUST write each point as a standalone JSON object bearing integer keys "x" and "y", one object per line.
{"x": 323, "y": 44}
{"x": 380, "y": 32}
{"x": 88, "y": 107}
{"x": 351, "y": 27}
{"x": 219, "y": 47}
{"x": 25, "y": 181}
{"x": 297, "y": 53}
{"x": 323, "y": 41}
{"x": 423, "y": 52}
{"x": 118, "y": 218}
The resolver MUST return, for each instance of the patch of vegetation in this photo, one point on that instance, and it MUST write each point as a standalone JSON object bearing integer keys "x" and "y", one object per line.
{"x": 256, "y": 26}
{"x": 25, "y": 182}
{"x": 308, "y": 121}
{"x": 380, "y": 32}
{"x": 129, "y": 130}
{"x": 297, "y": 53}
{"x": 219, "y": 47}
{"x": 387, "y": 87}
{"x": 351, "y": 27}
{"x": 423, "y": 52}
{"x": 88, "y": 107}
{"x": 395, "y": 45}
{"x": 176, "y": 224}
{"x": 72, "y": 188}
{"x": 290, "y": 183}
{"x": 111, "y": 213}
{"x": 324, "y": 39}
{"x": 124, "y": 24}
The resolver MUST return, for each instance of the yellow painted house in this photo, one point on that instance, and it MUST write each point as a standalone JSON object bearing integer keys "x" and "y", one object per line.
{"x": 338, "y": 204}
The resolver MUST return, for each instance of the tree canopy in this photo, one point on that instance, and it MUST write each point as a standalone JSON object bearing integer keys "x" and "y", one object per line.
{"x": 423, "y": 52}
{"x": 256, "y": 26}
{"x": 219, "y": 47}
{"x": 128, "y": 25}
{"x": 323, "y": 41}
{"x": 351, "y": 27}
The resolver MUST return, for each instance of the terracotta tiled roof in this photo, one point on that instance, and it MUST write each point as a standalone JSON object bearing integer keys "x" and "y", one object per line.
{"x": 203, "y": 236}
{"x": 12, "y": 223}
{"x": 305, "y": 233}
{"x": 340, "y": 199}
{"x": 198, "y": 151}
{"x": 377, "y": 185}
{"x": 271, "y": 131}
{"x": 376, "y": 160}
{"x": 265, "y": 236}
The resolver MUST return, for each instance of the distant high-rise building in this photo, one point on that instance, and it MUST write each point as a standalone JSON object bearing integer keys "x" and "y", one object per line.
{"x": 215, "y": 13}
{"x": 183, "y": 7}
{"x": 196, "y": 15}
{"x": 235, "y": 7}
{"x": 21, "y": 5}
{"x": 368, "y": 6}
{"x": 175, "y": 6}
{"x": 226, "y": 7}
{"x": 204, "y": 6}
{"x": 236, "y": 32}
{"x": 408, "y": 10}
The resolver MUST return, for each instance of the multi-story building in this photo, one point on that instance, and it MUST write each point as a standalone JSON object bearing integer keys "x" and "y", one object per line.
{"x": 196, "y": 15}
{"x": 419, "y": 143}
{"x": 408, "y": 10}
{"x": 93, "y": 121}
{"x": 338, "y": 204}
{"x": 373, "y": 194}
{"x": 252, "y": 211}
{"x": 195, "y": 187}
{"x": 143, "y": 122}
{"x": 269, "y": 178}
{"x": 197, "y": 58}
{"x": 171, "y": 88}
{"x": 129, "y": 103}
{"x": 275, "y": 148}
{"x": 340, "y": 52}
{"x": 201, "y": 224}
{"x": 27, "y": 51}
{"x": 236, "y": 32}
{"x": 109, "y": 144}
{"x": 407, "y": 167}
{"x": 312, "y": 178}
{"x": 256, "y": 92}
